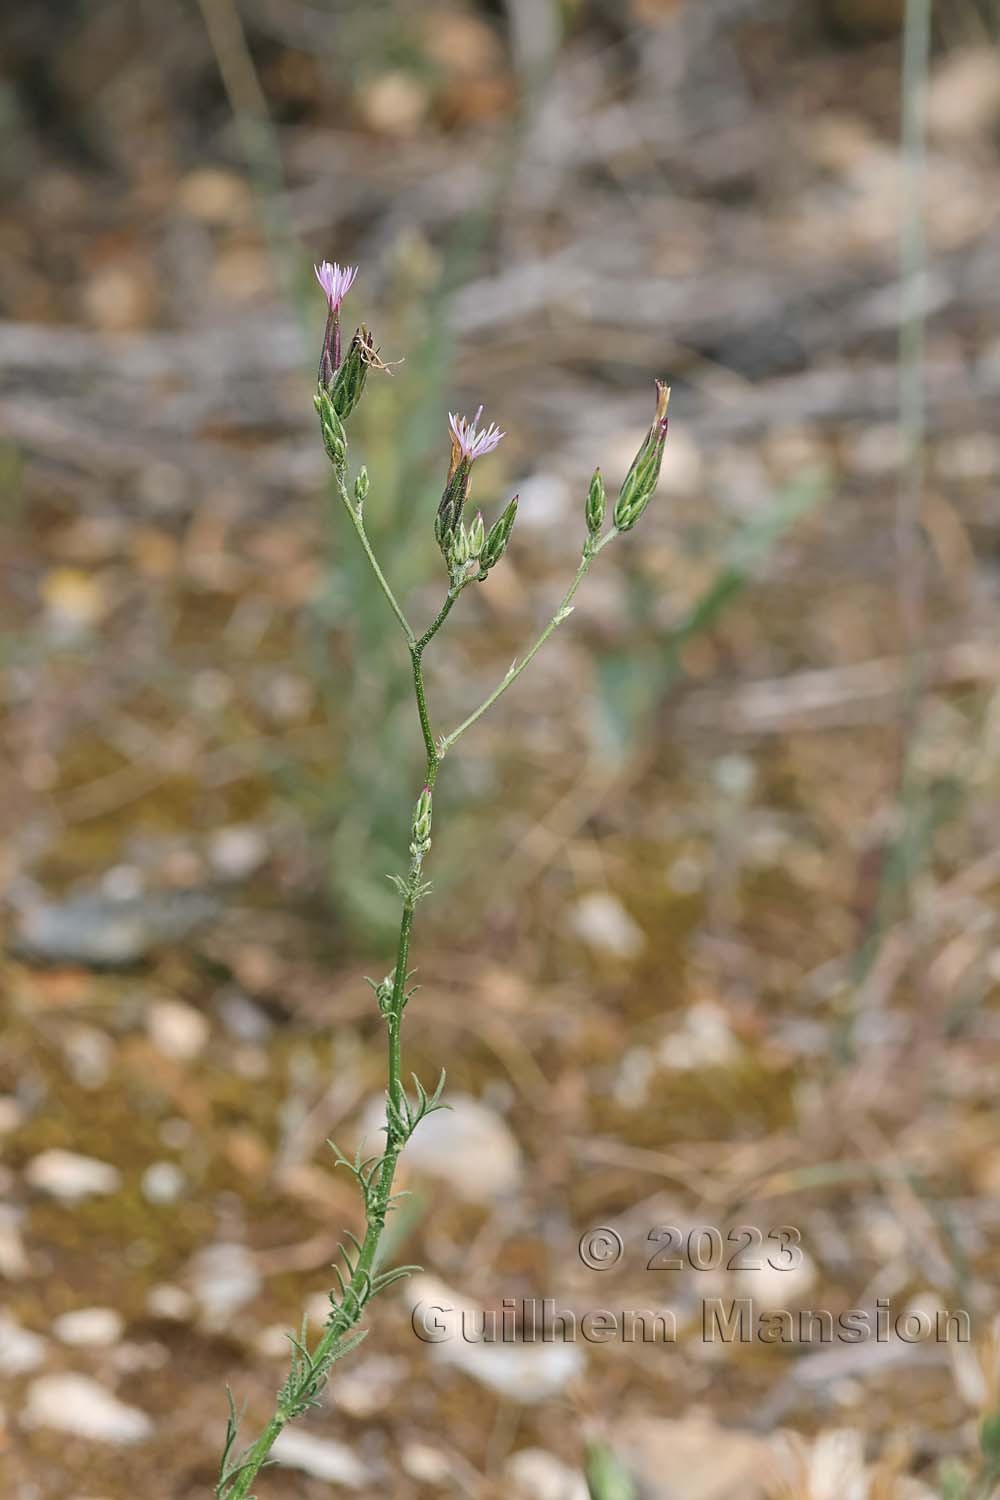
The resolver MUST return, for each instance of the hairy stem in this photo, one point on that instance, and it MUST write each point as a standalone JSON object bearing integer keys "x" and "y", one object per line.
{"x": 311, "y": 1367}
{"x": 416, "y": 658}
{"x": 348, "y": 1313}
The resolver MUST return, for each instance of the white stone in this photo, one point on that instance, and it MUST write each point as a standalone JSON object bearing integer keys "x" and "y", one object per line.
{"x": 703, "y": 1039}
{"x": 634, "y": 1075}
{"x": 89, "y": 1054}
{"x": 91, "y": 1327}
{"x": 525, "y": 1373}
{"x": 66, "y": 1175}
{"x": 14, "y": 1263}
{"x": 236, "y": 853}
{"x": 534, "y": 1474}
{"x": 163, "y": 1182}
{"x": 272, "y": 1342}
{"x": 20, "y": 1349}
{"x": 130, "y": 1358}
{"x": 241, "y": 1018}
{"x": 365, "y": 1387}
{"x": 768, "y": 1285}
{"x": 705, "y": 1461}
{"x": 177, "y": 1030}
{"x": 600, "y": 919}
{"x": 79, "y": 1406}
{"x": 123, "y": 883}
{"x": 963, "y": 99}
{"x": 224, "y": 1278}
{"x": 469, "y": 1145}
{"x": 170, "y": 1302}
{"x": 317, "y": 1308}
{"x": 323, "y": 1458}
{"x": 425, "y": 1464}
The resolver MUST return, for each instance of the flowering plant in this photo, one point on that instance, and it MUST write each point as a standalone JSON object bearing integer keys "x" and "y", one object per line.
{"x": 470, "y": 552}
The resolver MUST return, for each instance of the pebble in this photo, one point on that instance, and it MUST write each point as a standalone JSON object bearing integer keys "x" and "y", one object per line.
{"x": 702, "y": 1040}
{"x": 323, "y": 1458}
{"x": 771, "y": 1286}
{"x": 178, "y": 1031}
{"x": 89, "y": 1055}
{"x": 223, "y": 1279}
{"x": 963, "y": 99}
{"x": 10, "y": 1113}
{"x": 170, "y": 1302}
{"x": 65, "y": 1175}
{"x": 272, "y": 1342}
{"x": 469, "y": 1145}
{"x": 534, "y": 1474}
{"x": 163, "y": 1182}
{"x": 14, "y": 1263}
{"x": 237, "y": 853}
{"x": 317, "y": 1308}
{"x": 89, "y": 929}
{"x": 876, "y": 449}
{"x": 90, "y": 1327}
{"x": 131, "y": 1358}
{"x": 425, "y": 1464}
{"x": 241, "y": 1018}
{"x": 600, "y": 919}
{"x": 367, "y": 1386}
{"x": 77, "y": 1405}
{"x": 20, "y": 1349}
{"x": 525, "y": 1373}
{"x": 704, "y": 1460}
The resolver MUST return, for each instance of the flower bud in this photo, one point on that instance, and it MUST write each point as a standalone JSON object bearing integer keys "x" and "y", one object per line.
{"x": 421, "y": 828}
{"x": 458, "y": 550}
{"x": 496, "y": 542}
{"x": 596, "y": 503}
{"x": 332, "y": 428}
{"x": 640, "y": 481}
{"x": 449, "y": 512}
{"x": 348, "y": 382}
{"x": 361, "y": 487}
{"x": 384, "y": 992}
{"x": 477, "y": 536}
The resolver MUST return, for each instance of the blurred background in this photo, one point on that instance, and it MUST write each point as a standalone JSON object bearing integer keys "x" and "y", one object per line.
{"x": 714, "y": 938}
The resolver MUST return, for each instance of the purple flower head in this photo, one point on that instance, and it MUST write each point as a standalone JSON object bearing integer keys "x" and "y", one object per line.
{"x": 336, "y": 282}
{"x": 471, "y": 443}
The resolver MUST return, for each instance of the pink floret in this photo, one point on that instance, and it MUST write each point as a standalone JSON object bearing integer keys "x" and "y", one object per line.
{"x": 474, "y": 444}
{"x": 336, "y": 281}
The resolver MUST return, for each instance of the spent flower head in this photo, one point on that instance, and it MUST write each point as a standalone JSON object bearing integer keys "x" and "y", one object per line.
{"x": 641, "y": 479}
{"x": 472, "y": 443}
{"x": 336, "y": 281}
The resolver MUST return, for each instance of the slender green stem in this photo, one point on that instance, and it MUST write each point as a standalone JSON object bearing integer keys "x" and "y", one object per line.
{"x": 358, "y": 522}
{"x": 416, "y": 655}
{"x": 352, "y": 1303}
{"x": 310, "y": 1368}
{"x": 438, "y": 621}
{"x": 590, "y": 552}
